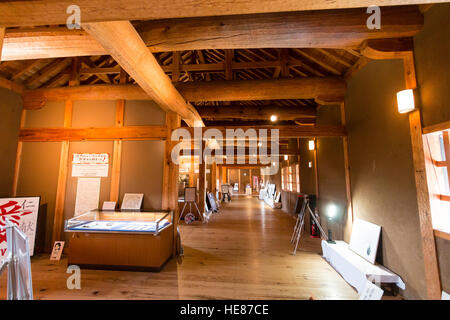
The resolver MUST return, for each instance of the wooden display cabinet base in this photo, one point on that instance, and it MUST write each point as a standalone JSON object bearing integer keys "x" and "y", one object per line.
{"x": 121, "y": 251}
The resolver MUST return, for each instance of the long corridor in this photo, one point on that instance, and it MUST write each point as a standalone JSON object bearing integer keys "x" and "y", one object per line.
{"x": 243, "y": 252}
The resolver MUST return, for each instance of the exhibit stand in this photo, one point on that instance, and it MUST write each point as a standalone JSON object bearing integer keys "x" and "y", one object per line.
{"x": 270, "y": 196}
{"x": 121, "y": 240}
{"x": 190, "y": 197}
{"x": 355, "y": 262}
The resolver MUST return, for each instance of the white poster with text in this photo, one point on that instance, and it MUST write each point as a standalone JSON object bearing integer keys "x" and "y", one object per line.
{"x": 23, "y": 213}
{"x": 90, "y": 164}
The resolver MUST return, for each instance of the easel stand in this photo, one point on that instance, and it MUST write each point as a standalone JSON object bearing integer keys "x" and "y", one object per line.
{"x": 190, "y": 210}
{"x": 296, "y": 235}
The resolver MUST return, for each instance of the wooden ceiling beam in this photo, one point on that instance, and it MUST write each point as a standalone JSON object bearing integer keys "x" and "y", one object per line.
{"x": 313, "y": 29}
{"x": 316, "y": 29}
{"x": 377, "y": 49}
{"x": 125, "y": 45}
{"x": 286, "y": 132}
{"x": 53, "y": 42}
{"x": 256, "y": 113}
{"x": 307, "y": 88}
{"x": 36, "y": 13}
{"x": 93, "y": 134}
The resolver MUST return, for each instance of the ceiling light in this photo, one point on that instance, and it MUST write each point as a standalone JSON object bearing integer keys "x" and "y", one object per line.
{"x": 273, "y": 118}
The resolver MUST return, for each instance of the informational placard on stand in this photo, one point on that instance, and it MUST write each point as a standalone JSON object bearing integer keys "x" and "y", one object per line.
{"x": 132, "y": 201}
{"x": 88, "y": 195}
{"x": 22, "y": 212}
{"x": 190, "y": 194}
{"x": 109, "y": 205}
{"x": 90, "y": 164}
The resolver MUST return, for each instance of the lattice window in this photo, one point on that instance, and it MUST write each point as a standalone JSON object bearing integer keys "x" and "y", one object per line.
{"x": 437, "y": 158}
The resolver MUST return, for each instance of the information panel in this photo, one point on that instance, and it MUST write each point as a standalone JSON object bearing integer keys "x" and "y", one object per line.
{"x": 23, "y": 213}
{"x": 90, "y": 164}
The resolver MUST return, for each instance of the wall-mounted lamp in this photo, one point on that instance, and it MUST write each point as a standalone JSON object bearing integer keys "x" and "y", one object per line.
{"x": 331, "y": 213}
{"x": 311, "y": 145}
{"x": 273, "y": 118}
{"x": 286, "y": 157}
{"x": 405, "y": 101}
{"x": 310, "y": 164}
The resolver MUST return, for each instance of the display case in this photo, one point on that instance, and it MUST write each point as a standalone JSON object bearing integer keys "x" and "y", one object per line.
{"x": 121, "y": 240}
{"x": 120, "y": 222}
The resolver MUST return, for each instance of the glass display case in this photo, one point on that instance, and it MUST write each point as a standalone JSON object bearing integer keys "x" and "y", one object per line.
{"x": 97, "y": 221}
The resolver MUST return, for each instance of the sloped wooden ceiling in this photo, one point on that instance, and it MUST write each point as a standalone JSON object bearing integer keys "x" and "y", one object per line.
{"x": 197, "y": 66}
{"x": 272, "y": 46}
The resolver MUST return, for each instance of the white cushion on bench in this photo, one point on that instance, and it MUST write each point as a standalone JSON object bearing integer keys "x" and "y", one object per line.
{"x": 355, "y": 269}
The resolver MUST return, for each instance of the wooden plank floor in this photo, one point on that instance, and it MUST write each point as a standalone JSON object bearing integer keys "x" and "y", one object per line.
{"x": 242, "y": 253}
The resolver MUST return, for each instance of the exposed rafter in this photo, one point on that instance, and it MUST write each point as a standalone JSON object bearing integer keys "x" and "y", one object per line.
{"x": 122, "y": 41}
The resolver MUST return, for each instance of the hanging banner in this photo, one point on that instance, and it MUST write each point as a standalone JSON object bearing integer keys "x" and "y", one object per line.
{"x": 90, "y": 164}
{"x": 23, "y": 213}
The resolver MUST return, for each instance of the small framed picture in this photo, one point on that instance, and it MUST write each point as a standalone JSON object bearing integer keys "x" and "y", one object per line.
{"x": 57, "y": 250}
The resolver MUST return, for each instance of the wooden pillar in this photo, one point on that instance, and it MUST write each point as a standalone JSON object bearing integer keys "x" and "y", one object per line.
{"x": 213, "y": 177}
{"x": 316, "y": 169}
{"x": 192, "y": 167}
{"x": 58, "y": 218}
{"x": 220, "y": 174}
{"x": 423, "y": 200}
{"x": 18, "y": 156}
{"x": 239, "y": 180}
{"x": 176, "y": 66}
{"x": 2, "y": 36}
{"x": 348, "y": 185}
{"x": 117, "y": 153}
{"x": 406, "y": 53}
{"x": 170, "y": 175}
{"x": 62, "y": 177}
{"x": 22, "y": 123}
{"x": 202, "y": 180}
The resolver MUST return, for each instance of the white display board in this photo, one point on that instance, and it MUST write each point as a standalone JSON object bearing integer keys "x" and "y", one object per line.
{"x": 109, "y": 205}
{"x": 364, "y": 239}
{"x": 90, "y": 164}
{"x": 88, "y": 195}
{"x": 22, "y": 212}
{"x": 132, "y": 201}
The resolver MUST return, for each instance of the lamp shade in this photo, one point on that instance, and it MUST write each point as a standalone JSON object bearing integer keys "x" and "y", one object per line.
{"x": 405, "y": 101}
